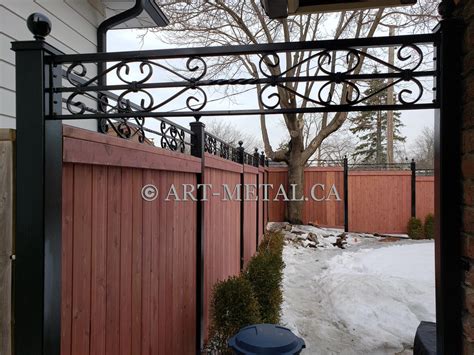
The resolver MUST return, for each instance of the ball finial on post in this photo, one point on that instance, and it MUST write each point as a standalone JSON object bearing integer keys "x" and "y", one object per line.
{"x": 39, "y": 25}
{"x": 446, "y": 8}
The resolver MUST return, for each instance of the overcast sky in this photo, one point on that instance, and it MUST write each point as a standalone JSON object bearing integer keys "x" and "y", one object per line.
{"x": 128, "y": 40}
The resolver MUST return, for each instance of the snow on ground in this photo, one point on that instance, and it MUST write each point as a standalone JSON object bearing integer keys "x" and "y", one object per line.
{"x": 367, "y": 299}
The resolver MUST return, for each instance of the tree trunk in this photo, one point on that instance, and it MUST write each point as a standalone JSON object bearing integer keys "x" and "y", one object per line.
{"x": 294, "y": 210}
{"x": 378, "y": 154}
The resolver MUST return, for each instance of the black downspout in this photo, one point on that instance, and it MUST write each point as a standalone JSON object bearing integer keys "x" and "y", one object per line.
{"x": 106, "y": 25}
{"x": 113, "y": 21}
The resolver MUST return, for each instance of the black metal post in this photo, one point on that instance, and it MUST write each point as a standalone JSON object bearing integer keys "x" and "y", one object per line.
{"x": 256, "y": 160}
{"x": 240, "y": 159}
{"x": 267, "y": 203}
{"x": 197, "y": 150}
{"x": 346, "y": 195}
{"x": 262, "y": 163}
{"x": 37, "y": 266}
{"x": 413, "y": 188}
{"x": 448, "y": 180}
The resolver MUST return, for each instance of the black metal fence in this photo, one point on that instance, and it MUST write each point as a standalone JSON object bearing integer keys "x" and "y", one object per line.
{"x": 52, "y": 86}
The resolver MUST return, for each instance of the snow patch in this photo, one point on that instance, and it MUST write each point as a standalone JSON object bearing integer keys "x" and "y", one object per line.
{"x": 367, "y": 301}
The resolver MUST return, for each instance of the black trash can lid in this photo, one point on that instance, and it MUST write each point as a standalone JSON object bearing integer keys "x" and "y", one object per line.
{"x": 266, "y": 339}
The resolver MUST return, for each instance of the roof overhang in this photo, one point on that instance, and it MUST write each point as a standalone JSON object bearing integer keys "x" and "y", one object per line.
{"x": 284, "y": 8}
{"x": 148, "y": 13}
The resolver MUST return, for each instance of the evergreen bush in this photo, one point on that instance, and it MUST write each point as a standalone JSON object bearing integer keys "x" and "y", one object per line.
{"x": 429, "y": 226}
{"x": 254, "y": 297}
{"x": 265, "y": 273}
{"x": 415, "y": 228}
{"x": 272, "y": 242}
{"x": 233, "y": 306}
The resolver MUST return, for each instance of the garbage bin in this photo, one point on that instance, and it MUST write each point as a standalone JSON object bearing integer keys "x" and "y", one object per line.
{"x": 425, "y": 339}
{"x": 269, "y": 339}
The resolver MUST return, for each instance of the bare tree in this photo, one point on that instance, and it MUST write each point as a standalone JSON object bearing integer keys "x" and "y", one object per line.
{"x": 423, "y": 149}
{"x": 339, "y": 145}
{"x": 236, "y": 22}
{"x": 232, "y": 135}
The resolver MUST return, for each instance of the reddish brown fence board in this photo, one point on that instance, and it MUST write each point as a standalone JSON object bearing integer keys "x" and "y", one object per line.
{"x": 325, "y": 213}
{"x": 266, "y": 206}
{"x": 424, "y": 196}
{"x": 222, "y": 222}
{"x": 128, "y": 264}
{"x": 379, "y": 201}
{"x": 276, "y": 209}
{"x": 329, "y": 212}
{"x": 250, "y": 221}
{"x": 261, "y": 206}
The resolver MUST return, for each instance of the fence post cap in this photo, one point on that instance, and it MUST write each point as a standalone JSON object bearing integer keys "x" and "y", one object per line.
{"x": 39, "y": 25}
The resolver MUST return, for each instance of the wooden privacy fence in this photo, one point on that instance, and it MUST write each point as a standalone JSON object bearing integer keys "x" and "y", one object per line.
{"x": 137, "y": 275}
{"x": 130, "y": 267}
{"x": 377, "y": 201}
{"x": 7, "y": 148}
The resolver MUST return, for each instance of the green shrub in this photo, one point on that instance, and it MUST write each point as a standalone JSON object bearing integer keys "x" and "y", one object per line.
{"x": 254, "y": 297}
{"x": 272, "y": 242}
{"x": 265, "y": 273}
{"x": 233, "y": 306}
{"x": 415, "y": 228}
{"x": 429, "y": 226}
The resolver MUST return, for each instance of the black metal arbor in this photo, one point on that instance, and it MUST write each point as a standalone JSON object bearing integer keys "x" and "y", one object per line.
{"x": 53, "y": 86}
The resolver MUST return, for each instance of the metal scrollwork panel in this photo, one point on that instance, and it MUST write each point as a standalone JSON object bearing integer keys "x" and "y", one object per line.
{"x": 126, "y": 128}
{"x": 349, "y": 73}
{"x": 172, "y": 138}
{"x": 133, "y": 83}
{"x": 224, "y": 150}
{"x": 177, "y": 84}
{"x": 210, "y": 144}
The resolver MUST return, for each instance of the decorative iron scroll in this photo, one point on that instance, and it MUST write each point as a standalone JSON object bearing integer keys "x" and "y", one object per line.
{"x": 124, "y": 127}
{"x": 210, "y": 144}
{"x": 181, "y": 77}
{"x": 250, "y": 159}
{"x": 172, "y": 137}
{"x": 121, "y": 71}
{"x": 218, "y": 147}
{"x": 354, "y": 59}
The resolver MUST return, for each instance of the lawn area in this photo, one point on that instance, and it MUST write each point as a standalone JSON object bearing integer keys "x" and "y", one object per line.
{"x": 366, "y": 299}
